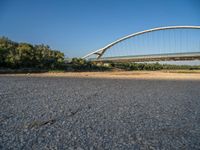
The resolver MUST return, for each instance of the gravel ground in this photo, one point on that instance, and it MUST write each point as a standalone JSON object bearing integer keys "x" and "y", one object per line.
{"x": 74, "y": 113}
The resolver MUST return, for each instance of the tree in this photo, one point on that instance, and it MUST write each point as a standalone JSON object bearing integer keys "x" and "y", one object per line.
{"x": 6, "y": 46}
{"x": 25, "y": 55}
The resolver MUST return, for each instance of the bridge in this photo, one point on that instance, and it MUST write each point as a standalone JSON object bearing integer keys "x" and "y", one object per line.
{"x": 157, "y": 44}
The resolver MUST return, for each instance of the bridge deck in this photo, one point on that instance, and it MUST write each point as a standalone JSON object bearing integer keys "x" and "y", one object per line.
{"x": 154, "y": 57}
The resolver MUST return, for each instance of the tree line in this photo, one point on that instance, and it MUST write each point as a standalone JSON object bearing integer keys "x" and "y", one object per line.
{"x": 151, "y": 66}
{"x": 24, "y": 55}
{"x": 18, "y": 56}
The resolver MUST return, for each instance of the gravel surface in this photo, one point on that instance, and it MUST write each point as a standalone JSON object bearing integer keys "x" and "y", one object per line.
{"x": 74, "y": 113}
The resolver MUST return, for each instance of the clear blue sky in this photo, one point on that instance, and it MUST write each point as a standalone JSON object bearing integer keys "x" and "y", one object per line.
{"x": 77, "y": 27}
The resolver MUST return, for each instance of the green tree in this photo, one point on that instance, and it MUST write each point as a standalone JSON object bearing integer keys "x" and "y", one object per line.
{"x": 25, "y": 55}
{"x": 6, "y": 46}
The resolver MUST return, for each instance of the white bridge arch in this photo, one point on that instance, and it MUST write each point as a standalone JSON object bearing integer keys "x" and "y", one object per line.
{"x": 101, "y": 51}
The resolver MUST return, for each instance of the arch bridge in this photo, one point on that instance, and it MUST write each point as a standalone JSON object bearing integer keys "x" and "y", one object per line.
{"x": 157, "y": 44}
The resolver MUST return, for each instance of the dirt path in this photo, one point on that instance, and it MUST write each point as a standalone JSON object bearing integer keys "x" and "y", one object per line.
{"x": 168, "y": 75}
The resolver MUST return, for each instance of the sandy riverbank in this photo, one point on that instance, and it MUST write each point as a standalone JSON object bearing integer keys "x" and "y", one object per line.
{"x": 180, "y": 74}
